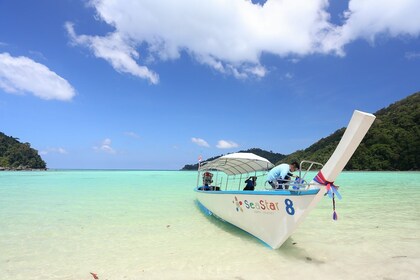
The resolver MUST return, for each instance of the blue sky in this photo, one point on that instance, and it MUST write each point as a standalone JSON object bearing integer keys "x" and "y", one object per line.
{"x": 135, "y": 84}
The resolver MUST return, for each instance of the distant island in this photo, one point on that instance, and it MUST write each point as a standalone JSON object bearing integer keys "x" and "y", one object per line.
{"x": 15, "y": 155}
{"x": 392, "y": 143}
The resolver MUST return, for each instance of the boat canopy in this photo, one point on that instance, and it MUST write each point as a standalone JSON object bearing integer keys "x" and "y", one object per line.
{"x": 238, "y": 163}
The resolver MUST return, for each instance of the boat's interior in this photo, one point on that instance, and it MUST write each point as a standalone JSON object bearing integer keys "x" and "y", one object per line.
{"x": 215, "y": 179}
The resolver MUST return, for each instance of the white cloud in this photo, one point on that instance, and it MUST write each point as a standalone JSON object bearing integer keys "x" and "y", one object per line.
{"x": 58, "y": 150}
{"x": 230, "y": 36}
{"x": 105, "y": 147}
{"x": 114, "y": 49}
{"x": 200, "y": 142}
{"x": 225, "y": 144}
{"x": 132, "y": 134}
{"x": 368, "y": 19}
{"x": 21, "y": 75}
{"x": 412, "y": 55}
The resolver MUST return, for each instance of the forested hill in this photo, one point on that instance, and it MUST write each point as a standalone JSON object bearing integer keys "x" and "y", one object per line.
{"x": 272, "y": 157}
{"x": 18, "y": 156}
{"x": 392, "y": 143}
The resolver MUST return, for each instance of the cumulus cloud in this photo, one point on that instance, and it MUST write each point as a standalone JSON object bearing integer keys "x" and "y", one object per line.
{"x": 200, "y": 142}
{"x": 225, "y": 144}
{"x": 23, "y": 75}
{"x": 105, "y": 147}
{"x": 230, "y": 36}
{"x": 58, "y": 150}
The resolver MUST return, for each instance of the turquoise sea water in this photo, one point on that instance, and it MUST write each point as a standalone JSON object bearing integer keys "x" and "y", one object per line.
{"x": 146, "y": 225}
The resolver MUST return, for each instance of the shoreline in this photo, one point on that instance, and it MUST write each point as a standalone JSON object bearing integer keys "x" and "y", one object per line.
{"x": 22, "y": 169}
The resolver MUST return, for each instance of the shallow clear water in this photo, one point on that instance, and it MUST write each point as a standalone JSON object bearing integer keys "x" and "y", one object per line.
{"x": 146, "y": 225}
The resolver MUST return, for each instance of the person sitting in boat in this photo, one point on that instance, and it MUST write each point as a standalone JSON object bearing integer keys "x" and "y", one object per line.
{"x": 280, "y": 175}
{"x": 207, "y": 180}
{"x": 251, "y": 182}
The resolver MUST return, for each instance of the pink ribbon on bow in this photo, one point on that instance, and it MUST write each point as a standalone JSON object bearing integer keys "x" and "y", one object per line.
{"x": 331, "y": 190}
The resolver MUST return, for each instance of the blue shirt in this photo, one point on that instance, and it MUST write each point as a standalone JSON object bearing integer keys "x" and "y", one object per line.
{"x": 279, "y": 172}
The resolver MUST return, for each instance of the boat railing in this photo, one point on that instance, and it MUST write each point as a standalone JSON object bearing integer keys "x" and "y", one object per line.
{"x": 310, "y": 166}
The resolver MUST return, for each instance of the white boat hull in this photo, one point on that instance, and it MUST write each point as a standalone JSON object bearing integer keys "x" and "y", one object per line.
{"x": 271, "y": 216}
